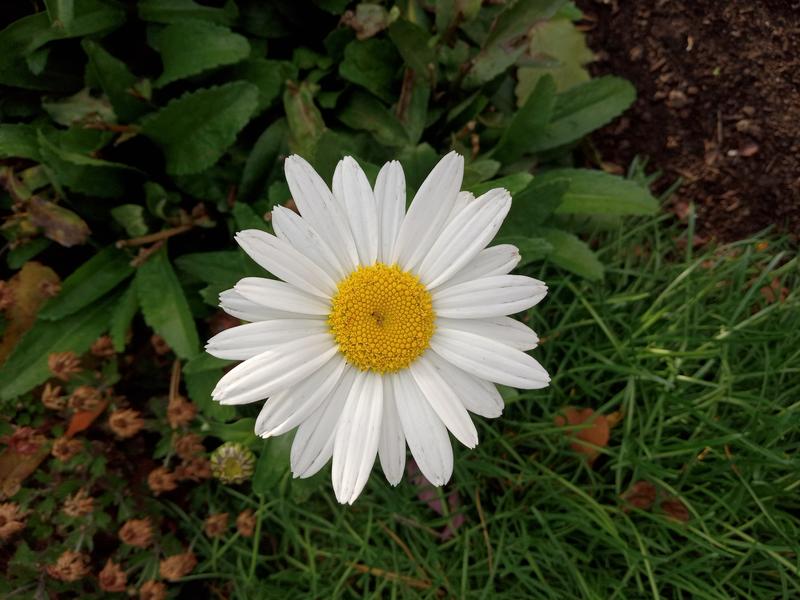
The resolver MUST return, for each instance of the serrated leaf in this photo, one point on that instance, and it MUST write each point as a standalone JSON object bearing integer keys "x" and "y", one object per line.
{"x": 530, "y": 248}
{"x": 582, "y": 109}
{"x": 176, "y": 11}
{"x": 122, "y": 315}
{"x": 572, "y": 254}
{"x": 191, "y": 47}
{"x": 27, "y": 366}
{"x": 223, "y": 268}
{"x": 596, "y": 192}
{"x": 272, "y": 465}
{"x": 246, "y": 218}
{"x": 262, "y": 160}
{"x": 164, "y": 305}
{"x": 240, "y": 431}
{"x": 267, "y": 75}
{"x": 92, "y": 280}
{"x": 528, "y": 122}
{"x": 412, "y": 107}
{"x": 115, "y": 79}
{"x": 131, "y": 218}
{"x": 18, "y": 256}
{"x": 366, "y": 113}
{"x": 19, "y": 141}
{"x": 412, "y": 42}
{"x": 195, "y": 130}
{"x": 533, "y": 206}
{"x": 372, "y": 64}
{"x": 201, "y": 375}
{"x": 305, "y": 121}
{"x": 80, "y": 107}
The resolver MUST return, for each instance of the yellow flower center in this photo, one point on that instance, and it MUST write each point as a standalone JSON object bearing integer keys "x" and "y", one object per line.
{"x": 382, "y": 318}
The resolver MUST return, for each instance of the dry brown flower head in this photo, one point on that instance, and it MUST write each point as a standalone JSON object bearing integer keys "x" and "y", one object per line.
{"x": 25, "y": 440}
{"x": 64, "y": 364}
{"x": 246, "y": 523}
{"x": 70, "y": 566}
{"x": 52, "y": 398}
{"x": 65, "y": 448}
{"x": 180, "y": 411}
{"x": 216, "y": 525}
{"x": 176, "y": 566}
{"x": 112, "y": 578}
{"x": 136, "y": 532}
{"x": 161, "y": 480}
{"x": 153, "y": 590}
{"x": 125, "y": 422}
{"x": 188, "y": 445}
{"x": 85, "y": 398}
{"x": 103, "y": 347}
{"x": 196, "y": 468}
{"x": 78, "y": 504}
{"x": 12, "y": 520}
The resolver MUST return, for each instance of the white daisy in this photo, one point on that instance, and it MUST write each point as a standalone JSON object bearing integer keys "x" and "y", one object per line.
{"x": 386, "y": 327}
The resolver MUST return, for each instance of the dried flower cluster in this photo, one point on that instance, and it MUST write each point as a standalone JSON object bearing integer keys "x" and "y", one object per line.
{"x": 176, "y": 566}
{"x": 64, "y": 365}
{"x": 125, "y": 422}
{"x": 12, "y": 520}
{"x": 180, "y": 411}
{"x": 137, "y": 533}
{"x": 70, "y": 566}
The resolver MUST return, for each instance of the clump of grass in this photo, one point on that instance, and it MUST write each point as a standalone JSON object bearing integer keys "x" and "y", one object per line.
{"x": 702, "y": 365}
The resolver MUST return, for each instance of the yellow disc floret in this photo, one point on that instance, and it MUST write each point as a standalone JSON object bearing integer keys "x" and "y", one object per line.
{"x": 382, "y": 318}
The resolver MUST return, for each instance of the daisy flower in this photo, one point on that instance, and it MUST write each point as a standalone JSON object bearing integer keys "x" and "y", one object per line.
{"x": 383, "y": 327}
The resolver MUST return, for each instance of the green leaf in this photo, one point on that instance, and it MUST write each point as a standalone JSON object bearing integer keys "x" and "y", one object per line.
{"x": 246, "y": 218}
{"x": 241, "y": 431}
{"x": 262, "y": 160}
{"x": 164, "y": 305}
{"x": 113, "y": 76}
{"x": 572, "y": 254}
{"x": 21, "y": 254}
{"x": 191, "y": 47}
{"x": 19, "y": 141}
{"x": 528, "y": 122}
{"x": 530, "y": 248}
{"x": 201, "y": 375}
{"x": 272, "y": 465}
{"x": 223, "y": 268}
{"x": 195, "y": 130}
{"x": 413, "y": 43}
{"x": 131, "y": 217}
{"x": 305, "y": 121}
{"x": 267, "y": 75}
{"x": 61, "y": 12}
{"x": 121, "y": 317}
{"x": 412, "y": 107}
{"x": 596, "y": 192}
{"x": 27, "y": 366}
{"x": 562, "y": 51}
{"x": 83, "y": 173}
{"x": 176, "y": 11}
{"x": 372, "y": 64}
{"x": 513, "y": 183}
{"x": 58, "y": 223}
{"x": 533, "y": 206}
{"x": 582, "y": 109}
{"x": 366, "y": 113}
{"x": 92, "y": 280}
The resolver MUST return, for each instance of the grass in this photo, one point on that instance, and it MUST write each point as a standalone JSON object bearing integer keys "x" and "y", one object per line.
{"x": 706, "y": 375}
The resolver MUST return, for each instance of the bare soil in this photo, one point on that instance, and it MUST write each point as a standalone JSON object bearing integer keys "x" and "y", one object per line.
{"x": 718, "y": 105}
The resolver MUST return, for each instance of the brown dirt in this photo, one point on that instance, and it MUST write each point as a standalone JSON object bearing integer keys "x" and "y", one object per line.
{"x": 719, "y": 104}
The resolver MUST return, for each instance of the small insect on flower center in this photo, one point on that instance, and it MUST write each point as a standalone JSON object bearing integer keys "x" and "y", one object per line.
{"x": 382, "y": 318}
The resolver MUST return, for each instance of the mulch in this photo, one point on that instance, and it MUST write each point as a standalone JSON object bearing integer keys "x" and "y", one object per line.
{"x": 718, "y": 104}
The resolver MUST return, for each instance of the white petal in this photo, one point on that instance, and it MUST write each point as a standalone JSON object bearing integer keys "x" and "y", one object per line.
{"x": 281, "y": 296}
{"x": 461, "y": 202}
{"x": 428, "y": 212}
{"x": 426, "y": 434}
{"x": 489, "y": 359}
{"x": 352, "y": 190}
{"x": 464, "y": 237}
{"x": 444, "y": 401}
{"x": 505, "y": 330}
{"x": 488, "y": 297}
{"x": 497, "y": 260}
{"x": 245, "y": 341}
{"x": 236, "y": 305}
{"x": 293, "y": 228}
{"x": 275, "y": 369}
{"x": 285, "y": 410}
{"x": 390, "y": 197}
{"x": 392, "y": 445}
{"x": 357, "y": 435}
{"x": 281, "y": 259}
{"x": 312, "y": 447}
{"x": 316, "y": 204}
{"x": 478, "y": 395}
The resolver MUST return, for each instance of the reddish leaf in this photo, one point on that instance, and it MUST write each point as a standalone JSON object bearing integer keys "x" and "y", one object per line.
{"x": 81, "y": 420}
{"x": 591, "y": 437}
